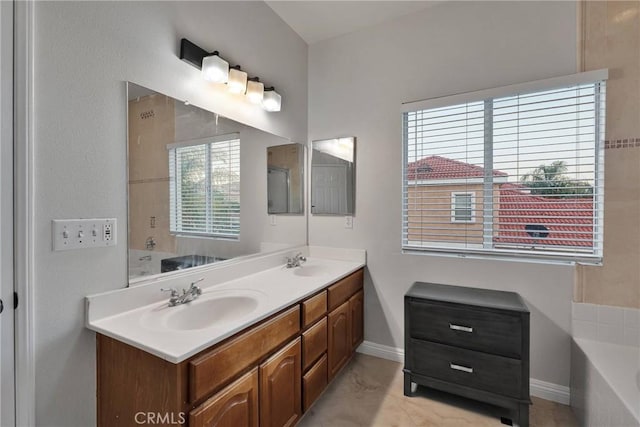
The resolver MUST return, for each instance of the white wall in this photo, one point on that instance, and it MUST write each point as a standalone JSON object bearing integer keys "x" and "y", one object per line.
{"x": 84, "y": 52}
{"x": 356, "y": 85}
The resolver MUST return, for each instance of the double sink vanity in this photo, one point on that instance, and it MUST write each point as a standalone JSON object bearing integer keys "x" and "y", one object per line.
{"x": 256, "y": 348}
{"x": 229, "y": 318}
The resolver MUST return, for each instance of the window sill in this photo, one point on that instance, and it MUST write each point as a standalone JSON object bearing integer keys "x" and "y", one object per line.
{"x": 504, "y": 256}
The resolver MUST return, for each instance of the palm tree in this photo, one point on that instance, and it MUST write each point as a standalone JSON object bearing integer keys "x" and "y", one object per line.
{"x": 550, "y": 180}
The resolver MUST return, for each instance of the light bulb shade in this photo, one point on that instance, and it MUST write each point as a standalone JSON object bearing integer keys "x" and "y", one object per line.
{"x": 271, "y": 100}
{"x": 255, "y": 91}
{"x": 237, "y": 81}
{"x": 215, "y": 69}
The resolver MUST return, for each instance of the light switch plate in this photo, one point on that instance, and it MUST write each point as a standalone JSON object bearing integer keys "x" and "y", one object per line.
{"x": 71, "y": 234}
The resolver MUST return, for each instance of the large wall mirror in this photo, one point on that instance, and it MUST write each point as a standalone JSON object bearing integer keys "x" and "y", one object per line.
{"x": 198, "y": 187}
{"x": 285, "y": 179}
{"x": 333, "y": 176}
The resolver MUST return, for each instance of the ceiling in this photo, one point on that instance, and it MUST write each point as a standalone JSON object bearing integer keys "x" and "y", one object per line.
{"x": 320, "y": 20}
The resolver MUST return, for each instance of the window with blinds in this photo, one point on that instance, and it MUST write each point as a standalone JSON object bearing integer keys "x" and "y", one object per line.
{"x": 204, "y": 187}
{"x": 514, "y": 171}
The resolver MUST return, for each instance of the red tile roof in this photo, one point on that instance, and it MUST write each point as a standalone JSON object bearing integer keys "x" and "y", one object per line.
{"x": 569, "y": 221}
{"x": 437, "y": 167}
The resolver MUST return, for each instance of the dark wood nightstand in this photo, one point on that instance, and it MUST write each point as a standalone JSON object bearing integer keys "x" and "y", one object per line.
{"x": 470, "y": 342}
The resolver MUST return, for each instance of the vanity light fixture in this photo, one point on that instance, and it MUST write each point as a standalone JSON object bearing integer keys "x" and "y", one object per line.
{"x": 255, "y": 90}
{"x": 271, "y": 101}
{"x": 216, "y": 69}
{"x": 237, "y": 80}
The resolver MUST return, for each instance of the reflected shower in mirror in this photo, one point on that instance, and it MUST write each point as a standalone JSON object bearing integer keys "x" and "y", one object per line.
{"x": 197, "y": 188}
{"x": 333, "y": 175}
{"x": 285, "y": 179}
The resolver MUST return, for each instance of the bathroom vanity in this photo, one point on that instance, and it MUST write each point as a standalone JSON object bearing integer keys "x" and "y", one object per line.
{"x": 267, "y": 373}
{"x": 471, "y": 342}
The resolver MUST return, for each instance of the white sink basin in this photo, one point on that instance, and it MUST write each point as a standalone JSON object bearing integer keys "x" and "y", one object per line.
{"x": 214, "y": 308}
{"x": 311, "y": 270}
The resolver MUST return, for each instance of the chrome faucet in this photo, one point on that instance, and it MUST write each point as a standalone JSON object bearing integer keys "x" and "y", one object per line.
{"x": 187, "y": 295}
{"x": 296, "y": 261}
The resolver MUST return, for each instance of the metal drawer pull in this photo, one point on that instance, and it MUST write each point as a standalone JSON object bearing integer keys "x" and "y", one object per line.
{"x": 461, "y": 368}
{"x": 460, "y": 328}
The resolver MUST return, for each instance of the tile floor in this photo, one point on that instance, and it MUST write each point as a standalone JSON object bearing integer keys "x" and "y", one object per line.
{"x": 369, "y": 392}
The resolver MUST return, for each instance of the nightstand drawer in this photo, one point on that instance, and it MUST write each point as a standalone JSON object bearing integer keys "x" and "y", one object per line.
{"x": 496, "y": 374}
{"x": 466, "y": 327}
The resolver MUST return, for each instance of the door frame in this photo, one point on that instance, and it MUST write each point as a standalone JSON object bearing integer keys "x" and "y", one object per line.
{"x": 24, "y": 39}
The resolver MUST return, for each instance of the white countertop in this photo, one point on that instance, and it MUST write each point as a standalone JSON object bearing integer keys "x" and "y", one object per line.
{"x": 274, "y": 289}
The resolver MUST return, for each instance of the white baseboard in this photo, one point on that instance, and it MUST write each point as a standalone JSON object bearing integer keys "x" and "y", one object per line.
{"x": 537, "y": 388}
{"x": 381, "y": 351}
{"x": 550, "y": 391}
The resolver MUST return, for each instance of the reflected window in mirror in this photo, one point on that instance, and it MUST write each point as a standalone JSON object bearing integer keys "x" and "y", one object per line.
{"x": 204, "y": 187}
{"x": 333, "y": 174}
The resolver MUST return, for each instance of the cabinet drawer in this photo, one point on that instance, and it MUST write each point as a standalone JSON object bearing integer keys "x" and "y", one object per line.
{"x": 487, "y": 331}
{"x": 314, "y": 382}
{"x": 343, "y": 289}
{"x": 314, "y": 343}
{"x": 314, "y": 308}
{"x": 214, "y": 368}
{"x": 496, "y": 374}
{"x": 236, "y": 405}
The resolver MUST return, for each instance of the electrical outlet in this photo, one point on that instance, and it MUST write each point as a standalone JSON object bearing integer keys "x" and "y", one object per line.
{"x": 83, "y": 233}
{"x": 107, "y": 232}
{"x": 348, "y": 222}
{"x": 272, "y": 219}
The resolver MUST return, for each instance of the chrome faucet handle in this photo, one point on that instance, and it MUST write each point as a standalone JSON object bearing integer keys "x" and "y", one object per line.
{"x": 174, "y": 292}
{"x": 196, "y": 289}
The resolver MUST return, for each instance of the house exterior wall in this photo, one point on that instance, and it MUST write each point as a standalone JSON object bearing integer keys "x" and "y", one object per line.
{"x": 431, "y": 206}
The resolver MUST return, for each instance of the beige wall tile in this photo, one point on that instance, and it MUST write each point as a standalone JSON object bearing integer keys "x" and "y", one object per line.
{"x": 151, "y": 128}
{"x": 612, "y": 40}
{"x": 151, "y": 200}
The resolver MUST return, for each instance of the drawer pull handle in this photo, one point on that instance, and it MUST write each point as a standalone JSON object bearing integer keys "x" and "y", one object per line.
{"x": 461, "y": 368}
{"x": 460, "y": 328}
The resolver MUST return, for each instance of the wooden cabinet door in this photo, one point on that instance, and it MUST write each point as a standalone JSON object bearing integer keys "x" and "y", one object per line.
{"x": 234, "y": 406}
{"x": 356, "y": 311}
{"x": 281, "y": 387}
{"x": 339, "y": 346}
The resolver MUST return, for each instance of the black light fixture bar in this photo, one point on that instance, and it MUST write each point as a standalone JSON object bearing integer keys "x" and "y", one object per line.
{"x": 192, "y": 54}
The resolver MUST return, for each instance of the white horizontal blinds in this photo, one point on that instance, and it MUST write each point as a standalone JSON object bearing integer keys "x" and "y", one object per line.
{"x": 188, "y": 210}
{"x": 546, "y": 144}
{"x": 462, "y": 207}
{"x": 519, "y": 174}
{"x": 444, "y": 176}
{"x": 205, "y": 188}
{"x": 225, "y": 188}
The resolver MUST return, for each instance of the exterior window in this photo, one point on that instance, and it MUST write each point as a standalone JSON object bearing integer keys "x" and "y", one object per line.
{"x": 511, "y": 172}
{"x": 462, "y": 207}
{"x": 204, "y": 187}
